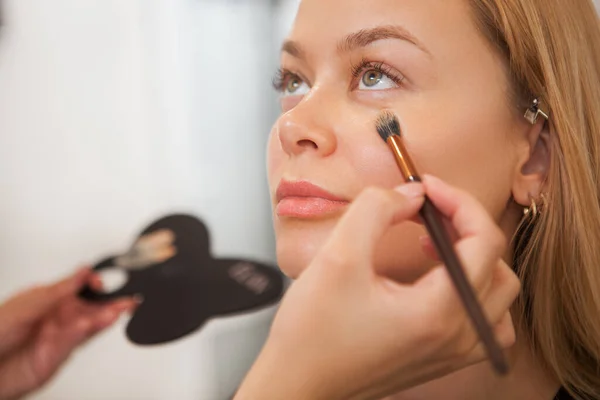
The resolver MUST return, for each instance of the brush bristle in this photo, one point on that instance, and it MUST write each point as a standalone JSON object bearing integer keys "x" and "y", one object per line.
{"x": 387, "y": 125}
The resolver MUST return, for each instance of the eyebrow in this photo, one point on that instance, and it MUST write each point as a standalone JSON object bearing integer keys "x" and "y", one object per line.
{"x": 293, "y": 49}
{"x": 360, "y": 39}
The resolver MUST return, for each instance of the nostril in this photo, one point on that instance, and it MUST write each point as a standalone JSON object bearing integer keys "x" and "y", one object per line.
{"x": 307, "y": 144}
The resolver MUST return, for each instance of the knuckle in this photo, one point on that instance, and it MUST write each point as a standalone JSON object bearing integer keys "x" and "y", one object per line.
{"x": 508, "y": 338}
{"x": 514, "y": 283}
{"x": 506, "y": 333}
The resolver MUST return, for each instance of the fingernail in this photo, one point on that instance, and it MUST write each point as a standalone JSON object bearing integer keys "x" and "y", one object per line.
{"x": 411, "y": 190}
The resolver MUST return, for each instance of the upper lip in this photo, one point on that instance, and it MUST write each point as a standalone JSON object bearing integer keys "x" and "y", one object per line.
{"x": 304, "y": 189}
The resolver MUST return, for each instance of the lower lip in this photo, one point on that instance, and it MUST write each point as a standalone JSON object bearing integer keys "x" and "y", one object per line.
{"x": 308, "y": 207}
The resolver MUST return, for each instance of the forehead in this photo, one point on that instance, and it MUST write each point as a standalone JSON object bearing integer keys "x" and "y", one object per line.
{"x": 435, "y": 23}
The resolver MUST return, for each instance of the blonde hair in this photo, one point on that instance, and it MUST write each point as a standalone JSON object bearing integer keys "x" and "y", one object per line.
{"x": 552, "y": 48}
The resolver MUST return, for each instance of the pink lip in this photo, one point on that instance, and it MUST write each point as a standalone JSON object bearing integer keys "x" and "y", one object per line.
{"x": 302, "y": 199}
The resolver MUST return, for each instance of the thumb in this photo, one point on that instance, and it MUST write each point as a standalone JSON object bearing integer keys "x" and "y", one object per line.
{"x": 373, "y": 212}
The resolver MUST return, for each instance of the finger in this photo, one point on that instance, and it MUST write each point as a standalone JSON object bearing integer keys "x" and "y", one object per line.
{"x": 468, "y": 216}
{"x": 503, "y": 293}
{"x": 37, "y": 302}
{"x": 370, "y": 215}
{"x": 69, "y": 285}
{"x": 505, "y": 334}
{"x": 94, "y": 311}
{"x": 95, "y": 282}
{"x": 109, "y": 315}
{"x": 58, "y": 340}
{"x": 481, "y": 242}
{"x": 90, "y": 320}
{"x": 125, "y": 305}
{"x": 67, "y": 311}
{"x": 428, "y": 248}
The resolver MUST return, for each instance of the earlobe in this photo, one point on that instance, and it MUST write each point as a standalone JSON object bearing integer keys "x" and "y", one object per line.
{"x": 533, "y": 168}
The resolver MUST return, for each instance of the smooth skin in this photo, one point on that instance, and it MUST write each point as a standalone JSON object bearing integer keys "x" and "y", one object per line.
{"x": 371, "y": 313}
{"x": 346, "y": 332}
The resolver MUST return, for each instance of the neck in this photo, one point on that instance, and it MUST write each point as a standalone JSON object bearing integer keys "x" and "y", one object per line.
{"x": 528, "y": 380}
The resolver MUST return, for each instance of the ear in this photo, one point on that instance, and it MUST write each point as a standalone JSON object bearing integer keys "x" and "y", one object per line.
{"x": 534, "y": 164}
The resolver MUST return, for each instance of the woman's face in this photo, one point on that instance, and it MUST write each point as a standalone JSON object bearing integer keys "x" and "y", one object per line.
{"x": 345, "y": 61}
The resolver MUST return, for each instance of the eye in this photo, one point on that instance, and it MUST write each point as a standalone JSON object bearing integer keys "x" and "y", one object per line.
{"x": 376, "y": 80}
{"x": 376, "y": 76}
{"x": 372, "y": 78}
{"x": 290, "y": 84}
{"x": 295, "y": 86}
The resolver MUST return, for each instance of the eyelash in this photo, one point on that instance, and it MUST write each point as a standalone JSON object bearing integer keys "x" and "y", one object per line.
{"x": 283, "y": 75}
{"x": 366, "y": 65}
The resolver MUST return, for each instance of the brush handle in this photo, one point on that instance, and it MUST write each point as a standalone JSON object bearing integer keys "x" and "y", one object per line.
{"x": 433, "y": 221}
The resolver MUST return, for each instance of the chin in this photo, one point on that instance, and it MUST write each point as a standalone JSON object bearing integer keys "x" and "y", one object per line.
{"x": 398, "y": 255}
{"x": 298, "y": 242}
{"x": 293, "y": 259}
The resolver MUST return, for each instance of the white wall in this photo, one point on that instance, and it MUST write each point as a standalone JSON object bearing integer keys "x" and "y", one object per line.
{"x": 112, "y": 113}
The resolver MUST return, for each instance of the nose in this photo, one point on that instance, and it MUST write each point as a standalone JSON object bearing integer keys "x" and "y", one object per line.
{"x": 304, "y": 129}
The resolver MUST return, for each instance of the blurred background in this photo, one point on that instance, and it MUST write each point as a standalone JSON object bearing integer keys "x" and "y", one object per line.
{"x": 114, "y": 113}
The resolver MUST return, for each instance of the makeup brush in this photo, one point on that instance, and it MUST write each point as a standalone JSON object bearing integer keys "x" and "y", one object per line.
{"x": 388, "y": 128}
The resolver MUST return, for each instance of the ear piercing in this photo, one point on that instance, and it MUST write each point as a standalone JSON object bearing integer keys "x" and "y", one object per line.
{"x": 534, "y": 111}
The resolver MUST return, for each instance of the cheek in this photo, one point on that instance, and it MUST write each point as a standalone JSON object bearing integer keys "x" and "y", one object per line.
{"x": 475, "y": 155}
{"x": 367, "y": 159}
{"x": 375, "y": 164}
{"x": 275, "y": 158}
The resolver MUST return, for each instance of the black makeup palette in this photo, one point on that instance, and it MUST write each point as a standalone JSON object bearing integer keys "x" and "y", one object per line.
{"x": 169, "y": 266}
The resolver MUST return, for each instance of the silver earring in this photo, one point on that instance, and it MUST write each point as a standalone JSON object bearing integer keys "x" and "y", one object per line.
{"x": 533, "y": 112}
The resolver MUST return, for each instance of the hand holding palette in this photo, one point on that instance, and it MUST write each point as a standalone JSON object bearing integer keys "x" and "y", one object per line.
{"x": 182, "y": 286}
